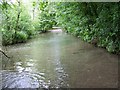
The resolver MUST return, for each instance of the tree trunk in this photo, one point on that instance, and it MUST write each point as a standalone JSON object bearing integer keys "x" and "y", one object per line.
{"x": 17, "y": 21}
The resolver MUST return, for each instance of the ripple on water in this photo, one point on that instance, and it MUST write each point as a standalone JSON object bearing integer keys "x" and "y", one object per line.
{"x": 23, "y": 80}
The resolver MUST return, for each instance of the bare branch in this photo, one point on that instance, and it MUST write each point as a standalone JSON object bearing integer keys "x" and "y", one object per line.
{"x": 4, "y": 53}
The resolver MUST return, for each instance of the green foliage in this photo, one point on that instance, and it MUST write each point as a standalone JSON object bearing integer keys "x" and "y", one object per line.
{"x": 21, "y": 37}
{"x": 7, "y": 37}
{"x": 93, "y": 22}
{"x": 46, "y": 17}
{"x": 16, "y": 23}
{"x": 96, "y": 23}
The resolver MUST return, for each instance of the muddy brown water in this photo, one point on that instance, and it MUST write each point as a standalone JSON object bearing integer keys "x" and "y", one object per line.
{"x": 55, "y": 60}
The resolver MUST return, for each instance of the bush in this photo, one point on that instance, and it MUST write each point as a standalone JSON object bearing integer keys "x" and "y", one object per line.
{"x": 46, "y": 17}
{"x": 92, "y": 22}
{"x": 21, "y": 36}
{"x": 16, "y": 23}
{"x": 7, "y": 37}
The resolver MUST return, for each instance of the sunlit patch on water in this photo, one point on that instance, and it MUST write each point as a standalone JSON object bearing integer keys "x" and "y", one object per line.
{"x": 23, "y": 80}
{"x": 61, "y": 78}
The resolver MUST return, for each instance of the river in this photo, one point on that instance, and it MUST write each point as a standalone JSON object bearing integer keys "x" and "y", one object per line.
{"x": 58, "y": 60}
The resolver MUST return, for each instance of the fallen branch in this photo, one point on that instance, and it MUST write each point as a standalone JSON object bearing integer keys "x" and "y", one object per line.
{"x": 4, "y": 53}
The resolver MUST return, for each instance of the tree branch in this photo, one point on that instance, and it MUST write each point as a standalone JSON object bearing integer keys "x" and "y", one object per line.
{"x": 4, "y": 53}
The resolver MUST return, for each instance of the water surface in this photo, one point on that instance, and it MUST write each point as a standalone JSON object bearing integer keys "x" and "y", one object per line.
{"x": 55, "y": 60}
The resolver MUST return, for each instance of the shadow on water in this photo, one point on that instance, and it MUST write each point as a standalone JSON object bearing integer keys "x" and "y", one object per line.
{"x": 55, "y": 60}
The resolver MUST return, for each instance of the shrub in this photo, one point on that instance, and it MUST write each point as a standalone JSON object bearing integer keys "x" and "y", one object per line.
{"x": 21, "y": 36}
{"x": 91, "y": 22}
{"x": 7, "y": 37}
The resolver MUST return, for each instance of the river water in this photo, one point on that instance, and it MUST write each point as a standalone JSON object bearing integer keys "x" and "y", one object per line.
{"x": 58, "y": 60}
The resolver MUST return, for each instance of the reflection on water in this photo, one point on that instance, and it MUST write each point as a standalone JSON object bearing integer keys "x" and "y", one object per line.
{"x": 23, "y": 80}
{"x": 54, "y": 60}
